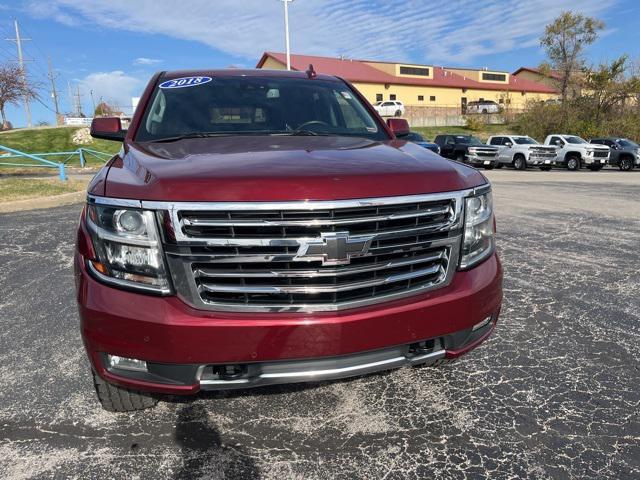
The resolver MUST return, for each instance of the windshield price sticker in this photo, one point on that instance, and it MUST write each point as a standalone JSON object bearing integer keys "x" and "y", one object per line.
{"x": 184, "y": 82}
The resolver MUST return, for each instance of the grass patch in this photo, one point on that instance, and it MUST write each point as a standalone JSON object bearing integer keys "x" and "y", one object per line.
{"x": 485, "y": 132}
{"x": 24, "y": 188}
{"x": 45, "y": 140}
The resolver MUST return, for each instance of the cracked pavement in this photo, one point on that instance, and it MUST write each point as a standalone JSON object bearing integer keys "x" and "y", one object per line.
{"x": 552, "y": 394}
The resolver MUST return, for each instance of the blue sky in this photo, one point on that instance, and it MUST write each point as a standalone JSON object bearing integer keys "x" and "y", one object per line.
{"x": 111, "y": 47}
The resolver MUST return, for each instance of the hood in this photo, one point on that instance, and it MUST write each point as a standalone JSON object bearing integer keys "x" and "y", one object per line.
{"x": 277, "y": 168}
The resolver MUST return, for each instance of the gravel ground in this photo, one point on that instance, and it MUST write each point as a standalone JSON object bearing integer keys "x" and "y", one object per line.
{"x": 553, "y": 394}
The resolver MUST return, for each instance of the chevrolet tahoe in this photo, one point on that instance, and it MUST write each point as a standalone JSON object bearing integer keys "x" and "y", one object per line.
{"x": 264, "y": 227}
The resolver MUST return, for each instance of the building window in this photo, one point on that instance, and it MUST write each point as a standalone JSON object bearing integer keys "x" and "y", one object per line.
{"x": 508, "y": 101}
{"x": 501, "y": 100}
{"x": 392, "y": 96}
{"x": 421, "y": 71}
{"x": 481, "y": 99}
{"x": 494, "y": 77}
{"x": 421, "y": 98}
{"x": 379, "y": 97}
{"x": 432, "y": 98}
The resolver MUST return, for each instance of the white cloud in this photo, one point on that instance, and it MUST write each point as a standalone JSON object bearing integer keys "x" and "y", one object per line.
{"x": 146, "y": 61}
{"x": 435, "y": 31}
{"x": 116, "y": 88}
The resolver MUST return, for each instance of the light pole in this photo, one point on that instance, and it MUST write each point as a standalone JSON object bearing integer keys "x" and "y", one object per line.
{"x": 286, "y": 31}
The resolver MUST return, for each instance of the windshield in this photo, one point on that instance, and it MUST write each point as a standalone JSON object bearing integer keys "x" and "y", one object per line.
{"x": 468, "y": 140}
{"x": 574, "y": 139}
{"x": 623, "y": 142}
{"x": 239, "y": 105}
{"x": 525, "y": 141}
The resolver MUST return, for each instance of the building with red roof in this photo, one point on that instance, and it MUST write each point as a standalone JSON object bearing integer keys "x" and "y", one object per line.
{"x": 421, "y": 85}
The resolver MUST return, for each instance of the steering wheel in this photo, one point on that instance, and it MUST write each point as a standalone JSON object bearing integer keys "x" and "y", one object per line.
{"x": 311, "y": 122}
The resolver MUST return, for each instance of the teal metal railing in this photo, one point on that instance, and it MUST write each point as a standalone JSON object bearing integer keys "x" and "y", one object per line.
{"x": 41, "y": 159}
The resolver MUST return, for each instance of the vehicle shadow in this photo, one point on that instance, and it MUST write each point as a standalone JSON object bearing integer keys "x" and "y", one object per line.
{"x": 203, "y": 453}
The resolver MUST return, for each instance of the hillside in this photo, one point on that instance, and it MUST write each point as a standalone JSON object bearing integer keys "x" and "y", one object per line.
{"x": 45, "y": 140}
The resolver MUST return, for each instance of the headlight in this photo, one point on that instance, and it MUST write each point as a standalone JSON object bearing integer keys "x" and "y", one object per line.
{"x": 128, "y": 247}
{"x": 478, "y": 241}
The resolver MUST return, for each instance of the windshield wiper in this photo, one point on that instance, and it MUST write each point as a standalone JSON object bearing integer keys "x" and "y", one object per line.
{"x": 187, "y": 136}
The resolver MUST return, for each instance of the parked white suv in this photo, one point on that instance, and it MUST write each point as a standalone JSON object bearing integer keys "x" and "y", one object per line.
{"x": 575, "y": 152}
{"x": 390, "y": 108}
{"x": 521, "y": 151}
{"x": 483, "y": 106}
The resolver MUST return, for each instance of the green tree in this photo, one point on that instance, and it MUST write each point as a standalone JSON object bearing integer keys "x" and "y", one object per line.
{"x": 564, "y": 41}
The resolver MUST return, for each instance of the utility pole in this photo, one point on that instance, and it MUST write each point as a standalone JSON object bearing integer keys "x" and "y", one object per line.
{"x": 18, "y": 40}
{"x": 93, "y": 102}
{"x": 54, "y": 93}
{"x": 77, "y": 101}
{"x": 286, "y": 32}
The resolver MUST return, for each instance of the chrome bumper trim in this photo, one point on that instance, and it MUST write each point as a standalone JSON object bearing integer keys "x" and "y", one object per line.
{"x": 324, "y": 369}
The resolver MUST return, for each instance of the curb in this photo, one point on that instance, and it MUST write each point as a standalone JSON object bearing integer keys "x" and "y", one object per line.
{"x": 43, "y": 202}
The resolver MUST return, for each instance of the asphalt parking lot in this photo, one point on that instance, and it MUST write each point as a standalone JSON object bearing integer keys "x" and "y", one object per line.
{"x": 553, "y": 394}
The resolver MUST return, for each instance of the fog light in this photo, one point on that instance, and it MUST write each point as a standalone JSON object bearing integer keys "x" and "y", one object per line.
{"x": 481, "y": 324}
{"x": 124, "y": 363}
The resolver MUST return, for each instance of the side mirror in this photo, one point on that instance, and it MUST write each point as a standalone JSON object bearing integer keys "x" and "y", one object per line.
{"x": 508, "y": 144}
{"x": 558, "y": 143}
{"x": 399, "y": 126}
{"x": 108, "y": 128}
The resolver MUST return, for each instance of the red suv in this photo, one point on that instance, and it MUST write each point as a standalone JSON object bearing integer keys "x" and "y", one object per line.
{"x": 263, "y": 227}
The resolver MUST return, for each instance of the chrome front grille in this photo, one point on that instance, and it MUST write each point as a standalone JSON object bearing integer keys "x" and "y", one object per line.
{"x": 312, "y": 256}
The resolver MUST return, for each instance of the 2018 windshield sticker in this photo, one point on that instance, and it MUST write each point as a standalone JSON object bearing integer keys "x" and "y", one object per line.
{"x": 184, "y": 82}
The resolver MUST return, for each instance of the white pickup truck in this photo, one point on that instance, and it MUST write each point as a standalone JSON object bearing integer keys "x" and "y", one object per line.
{"x": 520, "y": 152}
{"x": 575, "y": 152}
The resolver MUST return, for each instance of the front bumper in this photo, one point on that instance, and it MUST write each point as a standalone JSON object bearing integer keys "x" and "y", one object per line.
{"x": 541, "y": 161}
{"x": 185, "y": 347}
{"x": 595, "y": 161}
{"x": 482, "y": 161}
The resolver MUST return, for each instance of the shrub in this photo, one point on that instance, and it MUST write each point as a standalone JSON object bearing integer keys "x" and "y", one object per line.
{"x": 473, "y": 123}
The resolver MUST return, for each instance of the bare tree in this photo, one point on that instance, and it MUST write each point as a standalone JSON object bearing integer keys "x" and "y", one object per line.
{"x": 564, "y": 41}
{"x": 609, "y": 86}
{"x": 13, "y": 88}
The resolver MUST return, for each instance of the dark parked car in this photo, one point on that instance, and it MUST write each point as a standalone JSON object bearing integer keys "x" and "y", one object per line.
{"x": 264, "y": 227}
{"x": 623, "y": 153}
{"x": 420, "y": 140}
{"x": 468, "y": 149}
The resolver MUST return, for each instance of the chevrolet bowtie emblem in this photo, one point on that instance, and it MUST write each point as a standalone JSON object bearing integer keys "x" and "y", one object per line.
{"x": 334, "y": 248}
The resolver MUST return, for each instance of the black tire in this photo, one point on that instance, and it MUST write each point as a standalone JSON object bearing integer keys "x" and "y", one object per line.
{"x": 484, "y": 110}
{"x": 626, "y": 164}
{"x": 489, "y": 167}
{"x": 573, "y": 163}
{"x": 519, "y": 162}
{"x": 545, "y": 169}
{"x": 118, "y": 399}
{"x": 499, "y": 165}
{"x": 398, "y": 113}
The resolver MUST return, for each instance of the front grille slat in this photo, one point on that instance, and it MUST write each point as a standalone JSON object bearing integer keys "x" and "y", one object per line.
{"x": 312, "y": 273}
{"x": 239, "y": 258}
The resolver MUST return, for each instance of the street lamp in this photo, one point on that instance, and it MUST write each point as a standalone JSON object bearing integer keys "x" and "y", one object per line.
{"x": 286, "y": 31}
